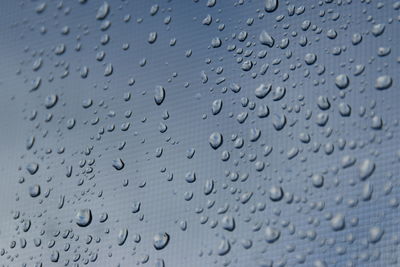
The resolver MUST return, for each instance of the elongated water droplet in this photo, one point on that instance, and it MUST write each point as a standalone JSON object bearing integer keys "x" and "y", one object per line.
{"x": 122, "y": 236}
{"x": 159, "y": 95}
{"x": 366, "y": 168}
{"x": 103, "y": 11}
{"x": 224, "y": 247}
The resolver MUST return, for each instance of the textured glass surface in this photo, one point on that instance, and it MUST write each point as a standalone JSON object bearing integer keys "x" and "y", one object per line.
{"x": 199, "y": 133}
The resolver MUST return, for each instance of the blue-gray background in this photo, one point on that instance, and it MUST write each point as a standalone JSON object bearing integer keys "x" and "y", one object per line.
{"x": 188, "y": 101}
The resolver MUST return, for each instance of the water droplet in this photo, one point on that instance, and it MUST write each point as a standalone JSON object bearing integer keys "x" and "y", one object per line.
{"x": 344, "y": 109}
{"x": 216, "y": 106}
{"x": 310, "y": 58}
{"x": 375, "y": 234}
{"x": 103, "y": 217}
{"x": 55, "y": 255}
{"x": 347, "y": 161}
{"x": 211, "y": 3}
{"x": 342, "y": 81}
{"x": 216, "y": 42}
{"x": 228, "y": 223}
{"x": 224, "y": 247}
{"x": 207, "y": 20}
{"x": 32, "y": 168}
{"x": 103, "y": 11}
{"x": 317, "y": 180}
{"x": 383, "y": 82}
{"x": 271, "y": 5}
{"x": 275, "y": 193}
{"x": 367, "y": 191}
{"x": 83, "y": 217}
{"x": 159, "y": 95}
{"x": 154, "y": 9}
{"x": 323, "y": 102}
{"x": 366, "y": 168}
{"x": 278, "y": 93}
{"x": 266, "y": 39}
{"x": 337, "y": 222}
{"x": 159, "y": 263}
{"x": 136, "y": 206}
{"x": 209, "y": 186}
{"x": 272, "y": 234}
{"x": 50, "y": 101}
{"x": 160, "y": 240}
{"x": 263, "y": 111}
{"x": 376, "y": 122}
{"x": 263, "y": 90}
{"x": 122, "y": 236}
{"x": 34, "y": 190}
{"x": 118, "y": 164}
{"x": 278, "y": 121}
{"x": 190, "y": 177}
{"x": 215, "y": 140}
{"x": 108, "y": 70}
{"x": 152, "y": 37}
{"x": 378, "y": 29}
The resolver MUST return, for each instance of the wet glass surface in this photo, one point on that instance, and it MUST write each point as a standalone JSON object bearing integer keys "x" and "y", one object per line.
{"x": 199, "y": 133}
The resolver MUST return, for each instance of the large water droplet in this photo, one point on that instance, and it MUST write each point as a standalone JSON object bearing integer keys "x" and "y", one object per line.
{"x": 160, "y": 240}
{"x": 263, "y": 90}
{"x": 383, "y": 82}
{"x": 271, "y": 5}
{"x": 83, "y": 217}
{"x": 266, "y": 39}
{"x": 118, "y": 164}
{"x": 342, "y": 81}
{"x": 103, "y": 11}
